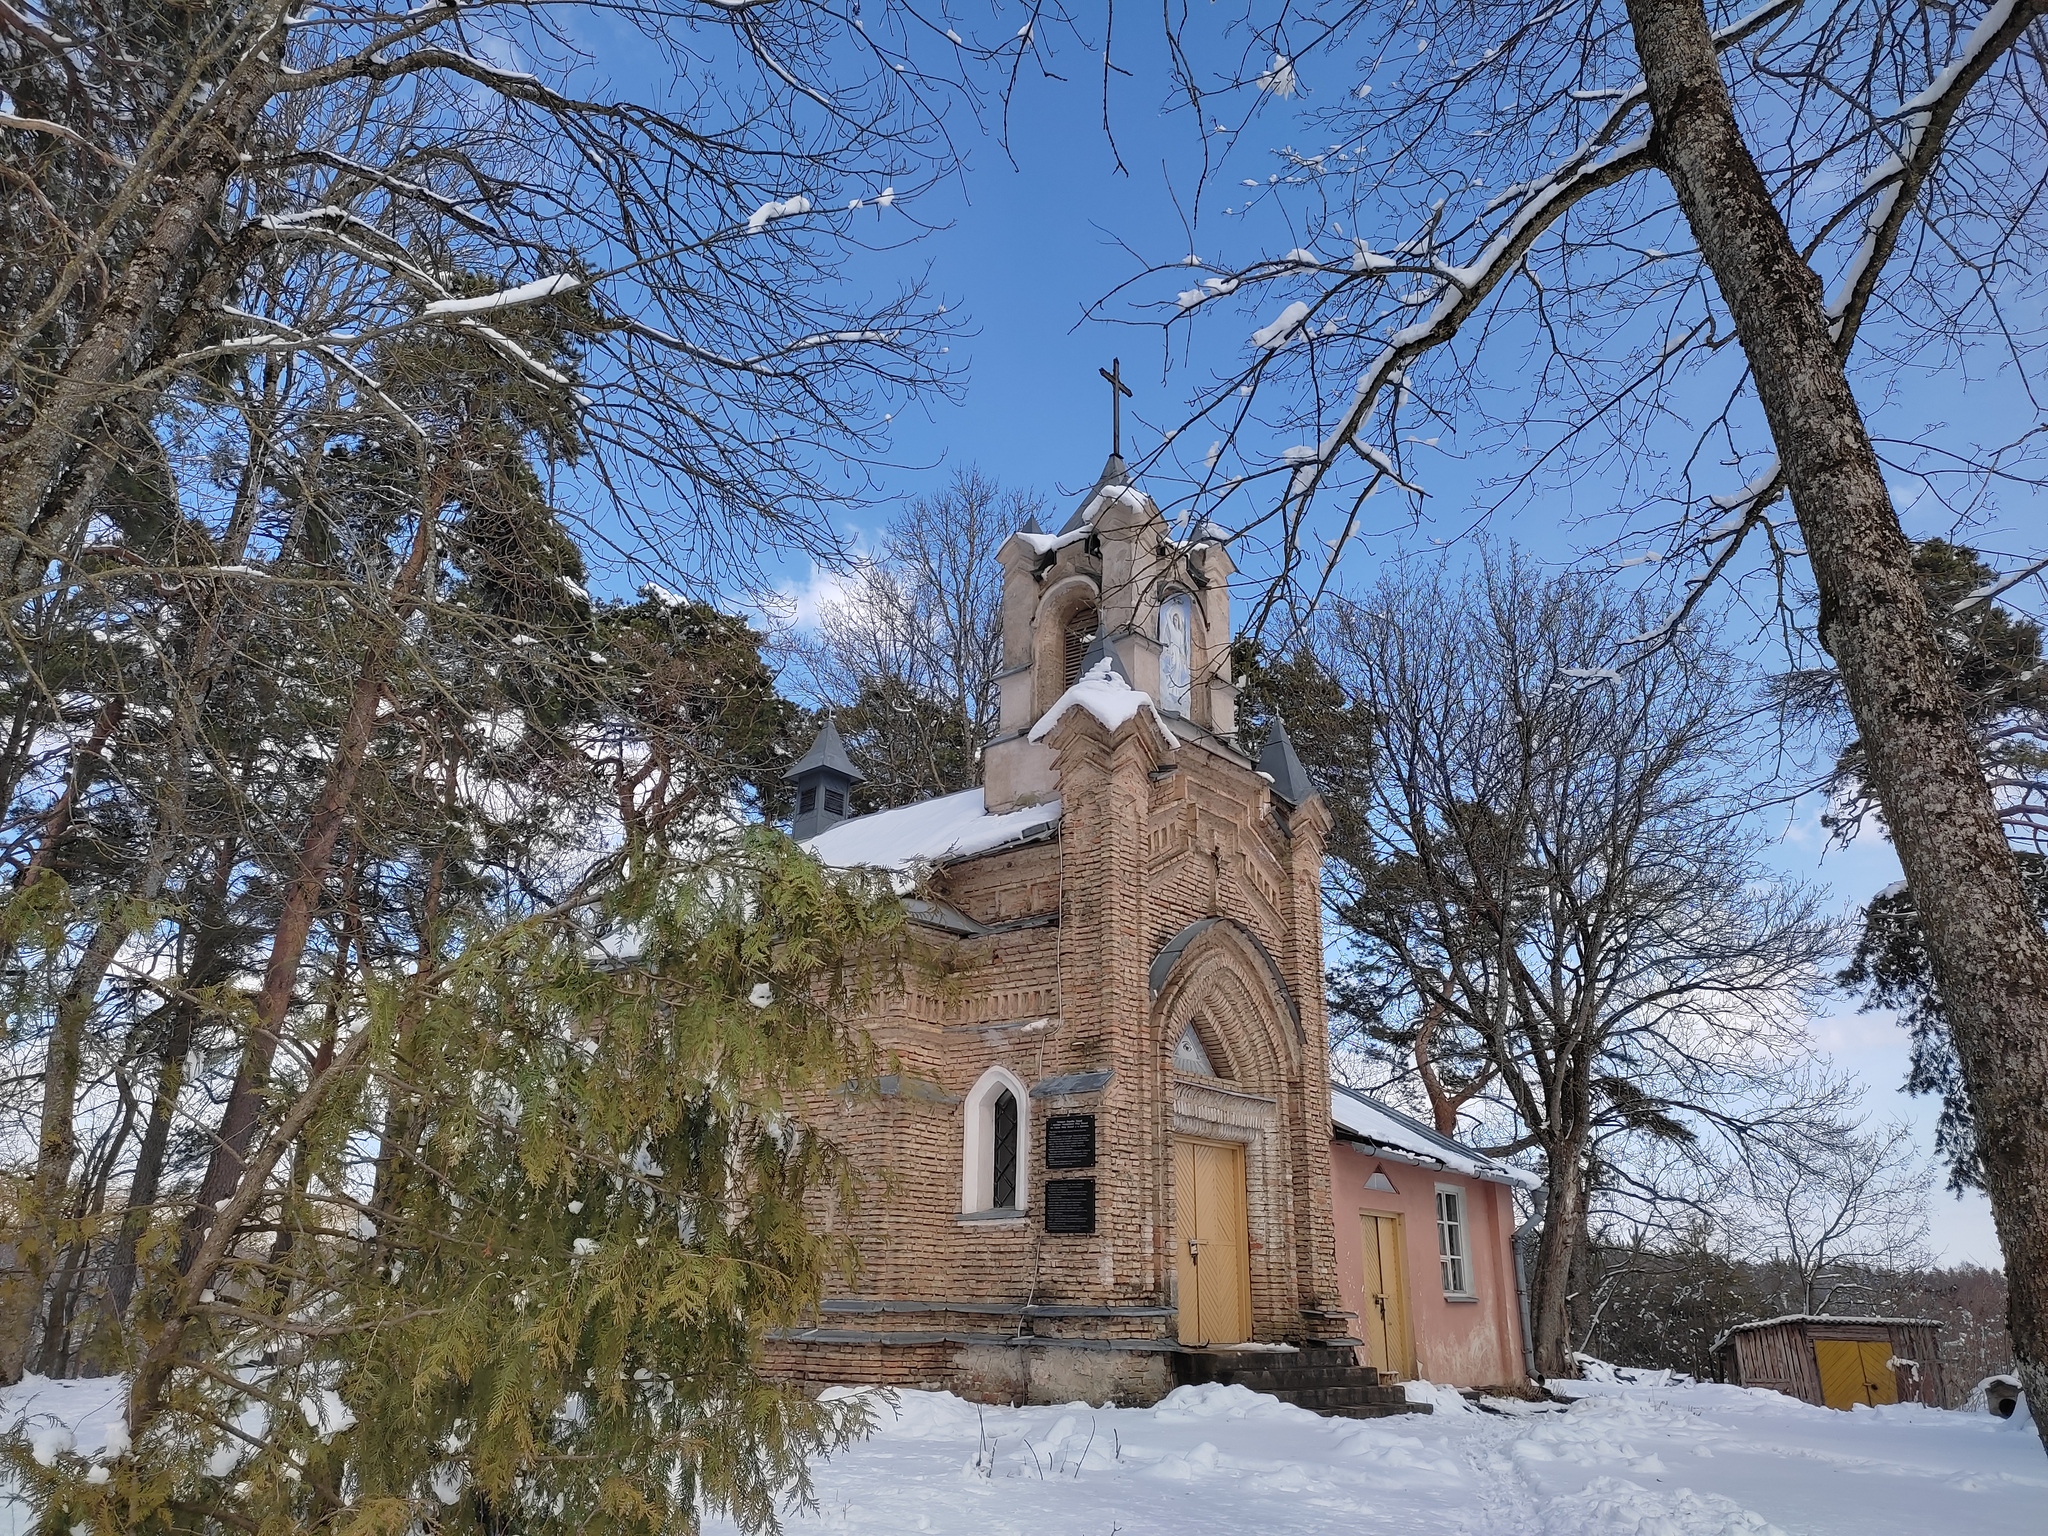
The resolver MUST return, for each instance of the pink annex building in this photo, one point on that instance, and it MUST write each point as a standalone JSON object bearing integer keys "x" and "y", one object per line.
{"x": 1100, "y": 1161}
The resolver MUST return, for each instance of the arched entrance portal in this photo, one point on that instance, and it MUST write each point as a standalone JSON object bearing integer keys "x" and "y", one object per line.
{"x": 1228, "y": 1044}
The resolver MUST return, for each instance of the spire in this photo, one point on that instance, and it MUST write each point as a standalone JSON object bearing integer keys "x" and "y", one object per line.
{"x": 1115, "y": 472}
{"x": 1282, "y": 764}
{"x": 823, "y": 777}
{"x": 1031, "y": 525}
{"x": 828, "y": 751}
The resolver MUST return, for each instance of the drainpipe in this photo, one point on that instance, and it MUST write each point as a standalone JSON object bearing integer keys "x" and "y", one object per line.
{"x": 1521, "y": 1243}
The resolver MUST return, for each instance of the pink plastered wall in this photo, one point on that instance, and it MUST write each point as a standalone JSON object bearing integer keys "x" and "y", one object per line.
{"x": 1460, "y": 1343}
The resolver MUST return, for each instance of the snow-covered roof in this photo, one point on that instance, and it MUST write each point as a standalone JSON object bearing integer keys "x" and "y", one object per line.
{"x": 1363, "y": 1118}
{"x": 1826, "y": 1319}
{"x": 929, "y": 832}
{"x": 1103, "y": 692}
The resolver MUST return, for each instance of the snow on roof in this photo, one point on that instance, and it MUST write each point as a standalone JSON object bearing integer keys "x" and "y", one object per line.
{"x": 929, "y": 832}
{"x": 1109, "y": 490}
{"x": 1367, "y": 1119}
{"x": 1829, "y": 1319}
{"x": 1105, "y": 695}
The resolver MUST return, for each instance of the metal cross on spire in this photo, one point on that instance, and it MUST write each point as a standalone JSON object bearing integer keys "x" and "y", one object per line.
{"x": 1119, "y": 391}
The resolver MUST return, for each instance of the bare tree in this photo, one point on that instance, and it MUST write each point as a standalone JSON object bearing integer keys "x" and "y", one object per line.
{"x": 907, "y": 652}
{"x": 1828, "y": 1206}
{"x": 1558, "y": 882}
{"x": 1782, "y": 208}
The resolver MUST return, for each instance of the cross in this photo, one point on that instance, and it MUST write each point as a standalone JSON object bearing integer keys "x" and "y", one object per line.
{"x": 1118, "y": 391}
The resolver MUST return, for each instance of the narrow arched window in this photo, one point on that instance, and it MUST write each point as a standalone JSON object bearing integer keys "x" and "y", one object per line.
{"x": 995, "y": 1162}
{"x": 1004, "y": 1191}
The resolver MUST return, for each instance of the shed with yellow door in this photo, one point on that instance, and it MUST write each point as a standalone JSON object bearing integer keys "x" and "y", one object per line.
{"x": 1837, "y": 1362}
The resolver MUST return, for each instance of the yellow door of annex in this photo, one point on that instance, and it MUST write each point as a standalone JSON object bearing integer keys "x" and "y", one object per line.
{"x": 1389, "y": 1339}
{"x": 1855, "y": 1371}
{"x": 1212, "y": 1253}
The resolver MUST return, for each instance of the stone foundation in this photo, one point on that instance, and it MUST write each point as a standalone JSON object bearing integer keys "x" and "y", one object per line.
{"x": 990, "y": 1368}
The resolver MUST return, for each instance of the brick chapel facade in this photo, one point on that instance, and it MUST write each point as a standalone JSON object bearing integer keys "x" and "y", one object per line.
{"x": 1103, "y": 1134}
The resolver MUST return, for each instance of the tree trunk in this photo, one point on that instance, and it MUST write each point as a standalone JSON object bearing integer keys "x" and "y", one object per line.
{"x": 34, "y": 461}
{"x": 1564, "y": 1222}
{"x": 304, "y": 893}
{"x": 41, "y": 1219}
{"x": 1989, "y": 951}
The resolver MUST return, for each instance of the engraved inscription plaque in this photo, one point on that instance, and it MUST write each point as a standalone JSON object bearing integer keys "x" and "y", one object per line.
{"x": 1070, "y": 1206}
{"x": 1070, "y": 1141}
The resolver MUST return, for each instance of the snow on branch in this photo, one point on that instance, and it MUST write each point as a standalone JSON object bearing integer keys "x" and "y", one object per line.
{"x": 1897, "y": 181}
{"x": 761, "y": 362}
{"x": 506, "y": 298}
{"x": 1994, "y": 589}
{"x": 772, "y": 210}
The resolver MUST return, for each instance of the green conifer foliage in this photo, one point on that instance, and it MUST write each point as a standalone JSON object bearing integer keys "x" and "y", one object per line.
{"x": 543, "y": 1312}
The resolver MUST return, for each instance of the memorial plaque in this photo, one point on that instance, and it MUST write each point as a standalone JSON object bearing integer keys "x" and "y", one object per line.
{"x": 1070, "y": 1205}
{"x": 1070, "y": 1141}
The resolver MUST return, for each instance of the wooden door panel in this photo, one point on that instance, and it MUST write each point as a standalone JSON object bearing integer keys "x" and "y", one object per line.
{"x": 1373, "y": 1322}
{"x": 1400, "y": 1327}
{"x": 1880, "y": 1381}
{"x": 1211, "y": 1251}
{"x": 1189, "y": 1287}
{"x": 1225, "y": 1255}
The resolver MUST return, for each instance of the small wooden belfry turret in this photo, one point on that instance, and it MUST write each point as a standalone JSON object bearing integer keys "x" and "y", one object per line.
{"x": 824, "y": 778}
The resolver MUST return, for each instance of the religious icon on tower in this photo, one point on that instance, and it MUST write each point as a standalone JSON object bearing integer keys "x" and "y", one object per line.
{"x": 1176, "y": 654}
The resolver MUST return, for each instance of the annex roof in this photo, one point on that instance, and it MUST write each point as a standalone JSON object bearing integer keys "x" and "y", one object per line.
{"x": 1362, "y": 1118}
{"x": 1825, "y": 1320}
{"x": 930, "y": 832}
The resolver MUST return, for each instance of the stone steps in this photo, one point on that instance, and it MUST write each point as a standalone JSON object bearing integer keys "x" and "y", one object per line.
{"x": 1322, "y": 1379}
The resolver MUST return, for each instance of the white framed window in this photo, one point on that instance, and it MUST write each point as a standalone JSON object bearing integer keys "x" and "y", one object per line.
{"x": 995, "y": 1160}
{"x": 1451, "y": 1246}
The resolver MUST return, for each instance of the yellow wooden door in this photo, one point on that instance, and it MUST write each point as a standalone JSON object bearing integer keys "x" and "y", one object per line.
{"x": 1212, "y": 1253}
{"x": 1855, "y": 1371}
{"x": 1389, "y": 1341}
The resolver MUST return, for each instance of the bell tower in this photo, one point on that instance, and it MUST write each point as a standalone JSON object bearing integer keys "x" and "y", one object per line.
{"x": 1113, "y": 582}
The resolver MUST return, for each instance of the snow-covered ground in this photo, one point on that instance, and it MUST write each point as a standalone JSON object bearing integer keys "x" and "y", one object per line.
{"x": 1621, "y": 1461}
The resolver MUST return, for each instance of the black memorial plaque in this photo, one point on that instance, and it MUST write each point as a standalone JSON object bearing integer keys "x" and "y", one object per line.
{"x": 1070, "y": 1205}
{"x": 1070, "y": 1141}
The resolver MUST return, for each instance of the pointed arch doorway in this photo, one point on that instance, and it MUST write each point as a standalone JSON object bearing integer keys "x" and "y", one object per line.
{"x": 1212, "y": 1250}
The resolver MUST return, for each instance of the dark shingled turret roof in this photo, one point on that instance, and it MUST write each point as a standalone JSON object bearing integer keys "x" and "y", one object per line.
{"x": 1282, "y": 764}
{"x": 1114, "y": 472}
{"x": 828, "y": 751}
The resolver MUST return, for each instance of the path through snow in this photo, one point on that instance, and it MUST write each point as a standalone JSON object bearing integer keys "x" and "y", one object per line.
{"x": 1687, "y": 1460}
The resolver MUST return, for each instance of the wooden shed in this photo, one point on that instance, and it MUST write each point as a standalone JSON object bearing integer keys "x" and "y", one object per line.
{"x": 1836, "y": 1362}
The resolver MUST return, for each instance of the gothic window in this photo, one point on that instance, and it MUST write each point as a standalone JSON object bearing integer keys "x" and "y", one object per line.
{"x": 1004, "y": 1182}
{"x": 995, "y": 1164}
{"x": 1080, "y": 633}
{"x": 1188, "y": 1055}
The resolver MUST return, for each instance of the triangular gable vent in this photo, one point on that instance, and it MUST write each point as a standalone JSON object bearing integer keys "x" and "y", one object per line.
{"x": 1380, "y": 1181}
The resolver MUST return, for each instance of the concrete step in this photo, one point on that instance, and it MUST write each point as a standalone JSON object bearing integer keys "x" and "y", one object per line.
{"x": 1376, "y": 1410}
{"x": 1314, "y": 1376}
{"x": 1323, "y": 1380}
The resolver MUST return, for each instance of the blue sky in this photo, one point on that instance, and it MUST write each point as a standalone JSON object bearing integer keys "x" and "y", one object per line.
{"x": 1024, "y": 242}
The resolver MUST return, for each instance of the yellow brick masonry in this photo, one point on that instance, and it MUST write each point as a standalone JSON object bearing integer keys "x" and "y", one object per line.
{"x": 1153, "y": 837}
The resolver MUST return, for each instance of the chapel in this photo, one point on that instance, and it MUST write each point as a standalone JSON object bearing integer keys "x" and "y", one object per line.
{"x": 1103, "y": 1135}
